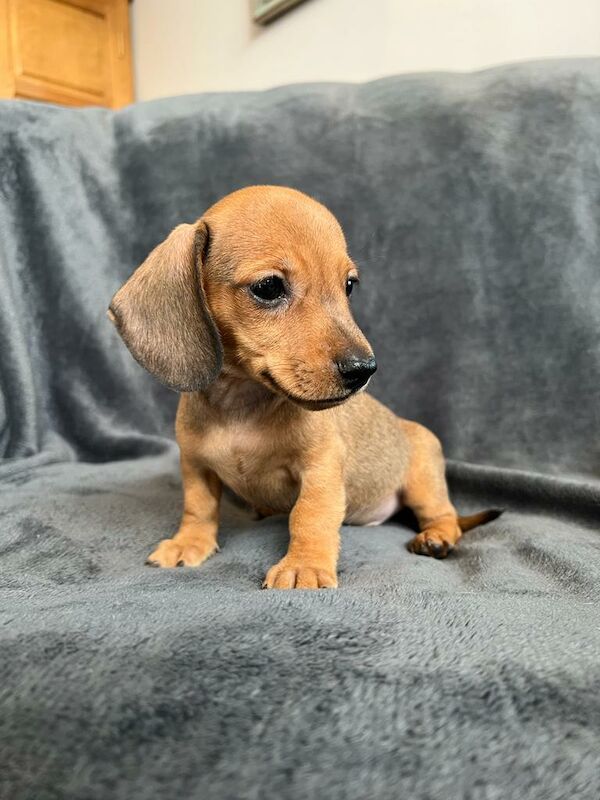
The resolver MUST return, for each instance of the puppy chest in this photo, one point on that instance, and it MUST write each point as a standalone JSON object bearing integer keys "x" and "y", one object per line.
{"x": 251, "y": 464}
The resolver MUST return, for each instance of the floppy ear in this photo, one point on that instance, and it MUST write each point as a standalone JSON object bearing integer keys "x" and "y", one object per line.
{"x": 162, "y": 315}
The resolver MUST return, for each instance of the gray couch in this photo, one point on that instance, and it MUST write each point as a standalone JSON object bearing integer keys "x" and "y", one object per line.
{"x": 472, "y": 204}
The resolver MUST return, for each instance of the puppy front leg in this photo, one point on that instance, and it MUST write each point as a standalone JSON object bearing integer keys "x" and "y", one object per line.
{"x": 315, "y": 521}
{"x": 196, "y": 538}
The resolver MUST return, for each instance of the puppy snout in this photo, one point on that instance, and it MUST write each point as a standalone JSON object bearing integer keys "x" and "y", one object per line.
{"x": 356, "y": 370}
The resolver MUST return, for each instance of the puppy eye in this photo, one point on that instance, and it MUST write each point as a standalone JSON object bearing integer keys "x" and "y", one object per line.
{"x": 269, "y": 289}
{"x": 350, "y": 285}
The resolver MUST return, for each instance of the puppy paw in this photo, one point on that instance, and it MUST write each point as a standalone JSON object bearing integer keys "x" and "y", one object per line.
{"x": 288, "y": 574}
{"x": 171, "y": 553}
{"x": 431, "y": 543}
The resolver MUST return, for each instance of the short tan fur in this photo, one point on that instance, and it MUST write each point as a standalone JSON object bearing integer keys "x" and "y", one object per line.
{"x": 272, "y": 403}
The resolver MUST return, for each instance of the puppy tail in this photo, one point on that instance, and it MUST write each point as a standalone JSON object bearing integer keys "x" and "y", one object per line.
{"x": 472, "y": 521}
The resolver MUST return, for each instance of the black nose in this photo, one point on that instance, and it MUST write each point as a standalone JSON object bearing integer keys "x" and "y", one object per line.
{"x": 356, "y": 371}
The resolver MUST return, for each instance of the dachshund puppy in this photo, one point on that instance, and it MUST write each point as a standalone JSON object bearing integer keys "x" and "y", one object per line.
{"x": 246, "y": 313}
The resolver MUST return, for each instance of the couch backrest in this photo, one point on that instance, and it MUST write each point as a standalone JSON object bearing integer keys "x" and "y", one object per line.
{"x": 471, "y": 203}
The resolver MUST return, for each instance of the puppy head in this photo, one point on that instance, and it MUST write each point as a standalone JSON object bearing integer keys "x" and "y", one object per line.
{"x": 261, "y": 283}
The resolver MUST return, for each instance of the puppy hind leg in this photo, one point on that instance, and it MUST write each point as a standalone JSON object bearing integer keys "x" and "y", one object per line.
{"x": 425, "y": 492}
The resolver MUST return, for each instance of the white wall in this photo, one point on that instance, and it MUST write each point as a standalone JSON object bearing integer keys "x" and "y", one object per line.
{"x": 185, "y": 46}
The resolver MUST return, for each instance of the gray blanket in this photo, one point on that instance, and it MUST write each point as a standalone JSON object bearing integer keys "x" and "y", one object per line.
{"x": 471, "y": 203}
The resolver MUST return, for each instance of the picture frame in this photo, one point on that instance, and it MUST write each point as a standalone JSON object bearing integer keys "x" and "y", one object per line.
{"x": 265, "y": 11}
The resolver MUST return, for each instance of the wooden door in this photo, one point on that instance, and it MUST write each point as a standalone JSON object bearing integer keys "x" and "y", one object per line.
{"x": 74, "y": 52}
